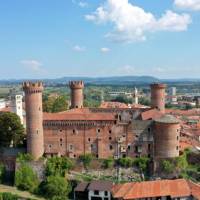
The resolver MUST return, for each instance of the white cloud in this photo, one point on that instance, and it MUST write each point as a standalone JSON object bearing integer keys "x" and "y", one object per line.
{"x": 188, "y": 4}
{"x": 33, "y": 65}
{"x": 105, "y": 49}
{"x": 83, "y": 4}
{"x": 79, "y": 48}
{"x": 126, "y": 70}
{"x": 131, "y": 23}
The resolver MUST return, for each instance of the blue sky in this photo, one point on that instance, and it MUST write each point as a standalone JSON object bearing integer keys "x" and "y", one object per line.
{"x": 56, "y": 38}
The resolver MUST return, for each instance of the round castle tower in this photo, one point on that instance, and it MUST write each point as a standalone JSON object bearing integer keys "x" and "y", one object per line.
{"x": 166, "y": 137}
{"x": 34, "y": 118}
{"x": 158, "y": 96}
{"x": 76, "y": 94}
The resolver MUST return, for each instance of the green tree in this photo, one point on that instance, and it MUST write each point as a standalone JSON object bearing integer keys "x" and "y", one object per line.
{"x": 11, "y": 130}
{"x": 144, "y": 101}
{"x": 48, "y": 103}
{"x": 24, "y": 157}
{"x": 57, "y": 166}
{"x": 2, "y": 172}
{"x": 125, "y": 162}
{"x": 122, "y": 99}
{"x": 60, "y": 104}
{"x": 141, "y": 163}
{"x": 86, "y": 159}
{"x": 108, "y": 163}
{"x": 55, "y": 188}
{"x": 26, "y": 178}
{"x": 167, "y": 166}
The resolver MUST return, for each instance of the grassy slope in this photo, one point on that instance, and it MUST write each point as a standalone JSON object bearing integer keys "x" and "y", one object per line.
{"x": 14, "y": 190}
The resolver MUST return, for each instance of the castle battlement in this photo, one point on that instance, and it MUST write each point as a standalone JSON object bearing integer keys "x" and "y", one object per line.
{"x": 158, "y": 86}
{"x": 76, "y": 84}
{"x": 32, "y": 86}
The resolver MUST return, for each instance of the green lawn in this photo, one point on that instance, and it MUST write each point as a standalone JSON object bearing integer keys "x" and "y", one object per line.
{"x": 14, "y": 190}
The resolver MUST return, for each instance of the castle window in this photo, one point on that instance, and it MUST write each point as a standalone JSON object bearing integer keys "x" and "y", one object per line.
{"x": 61, "y": 144}
{"x": 37, "y": 131}
{"x": 61, "y": 139}
{"x": 110, "y": 138}
{"x": 71, "y": 147}
{"x": 176, "y": 147}
{"x": 111, "y": 147}
{"x": 50, "y": 146}
{"x": 177, "y": 130}
{"x": 89, "y": 139}
{"x": 110, "y": 131}
{"x": 39, "y": 108}
{"x": 99, "y": 130}
{"x": 149, "y": 130}
{"x": 129, "y": 147}
{"x": 97, "y": 156}
{"x": 74, "y": 131}
{"x": 74, "y": 155}
{"x": 60, "y": 130}
{"x": 149, "y": 147}
{"x": 177, "y": 138}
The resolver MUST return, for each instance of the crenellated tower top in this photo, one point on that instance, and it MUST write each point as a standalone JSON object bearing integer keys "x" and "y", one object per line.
{"x": 32, "y": 86}
{"x": 158, "y": 86}
{"x": 76, "y": 84}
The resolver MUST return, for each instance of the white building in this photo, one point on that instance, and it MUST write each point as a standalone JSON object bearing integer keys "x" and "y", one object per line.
{"x": 15, "y": 104}
{"x": 2, "y": 103}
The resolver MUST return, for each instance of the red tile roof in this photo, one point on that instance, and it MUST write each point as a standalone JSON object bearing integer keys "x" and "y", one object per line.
{"x": 195, "y": 189}
{"x": 111, "y": 104}
{"x": 78, "y": 115}
{"x": 173, "y": 188}
{"x": 151, "y": 114}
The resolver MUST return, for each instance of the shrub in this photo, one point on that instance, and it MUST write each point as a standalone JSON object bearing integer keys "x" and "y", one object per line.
{"x": 26, "y": 178}
{"x": 141, "y": 163}
{"x": 125, "y": 162}
{"x": 55, "y": 188}
{"x": 8, "y": 196}
{"x": 57, "y": 166}
{"x": 108, "y": 163}
{"x": 86, "y": 159}
{"x": 2, "y": 172}
{"x": 167, "y": 166}
{"x": 24, "y": 157}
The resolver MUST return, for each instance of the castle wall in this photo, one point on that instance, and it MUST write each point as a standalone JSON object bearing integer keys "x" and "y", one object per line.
{"x": 102, "y": 139}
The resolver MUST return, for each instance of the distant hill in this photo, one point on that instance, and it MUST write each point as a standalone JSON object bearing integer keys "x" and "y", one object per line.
{"x": 115, "y": 80}
{"x": 112, "y": 80}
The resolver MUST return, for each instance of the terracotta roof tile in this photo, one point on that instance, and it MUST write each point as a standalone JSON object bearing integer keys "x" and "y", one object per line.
{"x": 110, "y": 104}
{"x": 78, "y": 116}
{"x": 173, "y": 188}
{"x": 151, "y": 114}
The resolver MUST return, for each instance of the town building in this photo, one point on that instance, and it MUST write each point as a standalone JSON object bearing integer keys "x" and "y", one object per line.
{"x": 177, "y": 189}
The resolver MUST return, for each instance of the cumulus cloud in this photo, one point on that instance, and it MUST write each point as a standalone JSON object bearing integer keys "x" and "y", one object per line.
{"x": 82, "y": 4}
{"x": 126, "y": 70}
{"x": 188, "y": 4}
{"x": 105, "y": 49}
{"x": 33, "y": 65}
{"x": 79, "y": 48}
{"x": 131, "y": 23}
